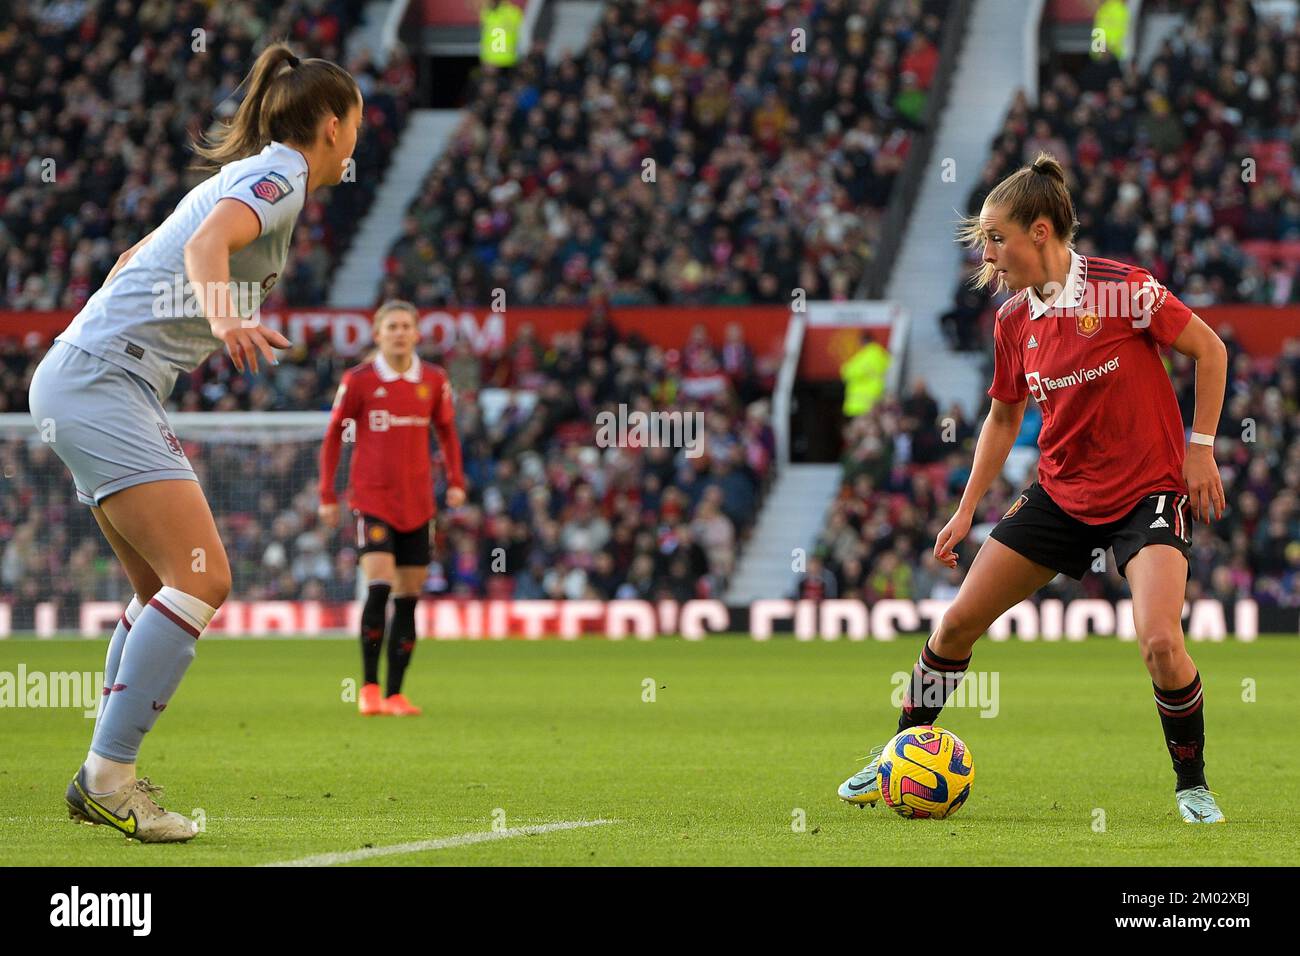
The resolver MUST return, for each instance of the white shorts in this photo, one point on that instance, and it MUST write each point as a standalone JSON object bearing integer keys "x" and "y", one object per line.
{"x": 105, "y": 423}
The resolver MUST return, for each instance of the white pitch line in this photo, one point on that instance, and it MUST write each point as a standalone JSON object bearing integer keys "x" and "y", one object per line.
{"x": 445, "y": 843}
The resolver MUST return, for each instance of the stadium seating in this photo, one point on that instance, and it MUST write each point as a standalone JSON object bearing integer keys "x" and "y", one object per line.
{"x": 111, "y": 98}
{"x": 579, "y": 521}
{"x": 1188, "y": 168}
{"x": 772, "y": 165}
{"x": 543, "y": 195}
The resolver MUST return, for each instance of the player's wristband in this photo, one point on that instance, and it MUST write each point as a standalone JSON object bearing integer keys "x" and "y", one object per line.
{"x": 1199, "y": 439}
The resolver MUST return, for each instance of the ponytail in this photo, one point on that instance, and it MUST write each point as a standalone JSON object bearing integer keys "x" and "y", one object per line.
{"x": 285, "y": 100}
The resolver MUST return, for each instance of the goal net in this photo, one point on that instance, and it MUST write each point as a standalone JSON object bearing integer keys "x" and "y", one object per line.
{"x": 259, "y": 471}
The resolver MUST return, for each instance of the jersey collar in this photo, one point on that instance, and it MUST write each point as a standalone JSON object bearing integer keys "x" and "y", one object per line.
{"x": 294, "y": 155}
{"x": 388, "y": 374}
{"x": 1071, "y": 296}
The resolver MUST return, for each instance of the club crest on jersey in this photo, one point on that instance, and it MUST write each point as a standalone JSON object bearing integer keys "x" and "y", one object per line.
{"x": 173, "y": 443}
{"x": 1087, "y": 324}
{"x": 422, "y": 391}
{"x": 1020, "y": 503}
{"x": 271, "y": 188}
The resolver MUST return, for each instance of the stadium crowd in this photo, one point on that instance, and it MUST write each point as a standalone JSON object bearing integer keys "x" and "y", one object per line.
{"x": 98, "y": 100}
{"x": 771, "y": 168}
{"x": 551, "y": 513}
{"x": 1190, "y": 168}
{"x": 720, "y": 152}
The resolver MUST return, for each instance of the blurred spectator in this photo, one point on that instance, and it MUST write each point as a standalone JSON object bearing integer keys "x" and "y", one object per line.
{"x": 1112, "y": 20}
{"x": 961, "y": 323}
{"x": 864, "y": 374}
{"x": 818, "y": 582}
{"x": 499, "y": 21}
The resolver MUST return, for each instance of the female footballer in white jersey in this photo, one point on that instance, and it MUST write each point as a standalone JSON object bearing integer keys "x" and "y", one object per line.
{"x": 98, "y": 397}
{"x": 1082, "y": 336}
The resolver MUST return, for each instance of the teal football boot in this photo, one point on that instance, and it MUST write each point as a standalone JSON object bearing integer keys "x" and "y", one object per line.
{"x": 862, "y": 788}
{"x": 1197, "y": 806}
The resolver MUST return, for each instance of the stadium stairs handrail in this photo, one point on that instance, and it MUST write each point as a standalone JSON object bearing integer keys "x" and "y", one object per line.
{"x": 1033, "y": 30}
{"x": 782, "y": 394}
{"x": 392, "y": 29}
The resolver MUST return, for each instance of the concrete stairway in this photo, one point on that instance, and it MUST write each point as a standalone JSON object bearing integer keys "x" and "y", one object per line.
{"x": 792, "y": 517}
{"x": 357, "y": 281}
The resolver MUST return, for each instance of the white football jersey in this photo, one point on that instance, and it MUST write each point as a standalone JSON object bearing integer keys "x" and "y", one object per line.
{"x": 145, "y": 320}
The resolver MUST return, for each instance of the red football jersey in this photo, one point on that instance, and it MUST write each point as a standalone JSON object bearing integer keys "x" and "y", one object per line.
{"x": 1112, "y": 432}
{"x": 389, "y": 416}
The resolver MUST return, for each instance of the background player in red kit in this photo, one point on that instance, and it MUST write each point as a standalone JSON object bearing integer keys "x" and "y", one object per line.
{"x": 1082, "y": 336}
{"x": 386, "y": 406}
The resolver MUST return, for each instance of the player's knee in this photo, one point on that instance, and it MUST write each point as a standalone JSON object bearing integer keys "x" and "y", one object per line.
{"x": 145, "y": 589}
{"x": 960, "y": 625}
{"x": 1161, "y": 643}
{"x": 212, "y": 590}
{"x": 377, "y": 594}
{"x": 210, "y": 585}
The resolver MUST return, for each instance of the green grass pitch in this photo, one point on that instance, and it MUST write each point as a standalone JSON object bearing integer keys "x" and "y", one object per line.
{"x": 741, "y": 736}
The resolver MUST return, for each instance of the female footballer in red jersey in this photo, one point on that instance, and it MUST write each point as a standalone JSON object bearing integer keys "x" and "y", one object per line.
{"x": 386, "y": 406}
{"x": 1082, "y": 335}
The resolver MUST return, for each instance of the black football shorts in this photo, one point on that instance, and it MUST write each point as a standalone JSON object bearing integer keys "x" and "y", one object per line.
{"x": 408, "y": 548}
{"x": 1036, "y": 527}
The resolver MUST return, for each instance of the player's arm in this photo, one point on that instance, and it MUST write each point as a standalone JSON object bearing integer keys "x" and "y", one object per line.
{"x": 229, "y": 227}
{"x": 344, "y": 415}
{"x": 1001, "y": 427}
{"x": 997, "y": 436}
{"x": 1204, "y": 486}
{"x": 444, "y": 424}
{"x": 125, "y": 257}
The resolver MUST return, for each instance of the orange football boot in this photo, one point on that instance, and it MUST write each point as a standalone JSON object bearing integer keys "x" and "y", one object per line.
{"x": 399, "y": 706}
{"x": 371, "y": 701}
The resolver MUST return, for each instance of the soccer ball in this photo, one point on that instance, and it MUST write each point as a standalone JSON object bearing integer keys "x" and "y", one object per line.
{"x": 925, "y": 772}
